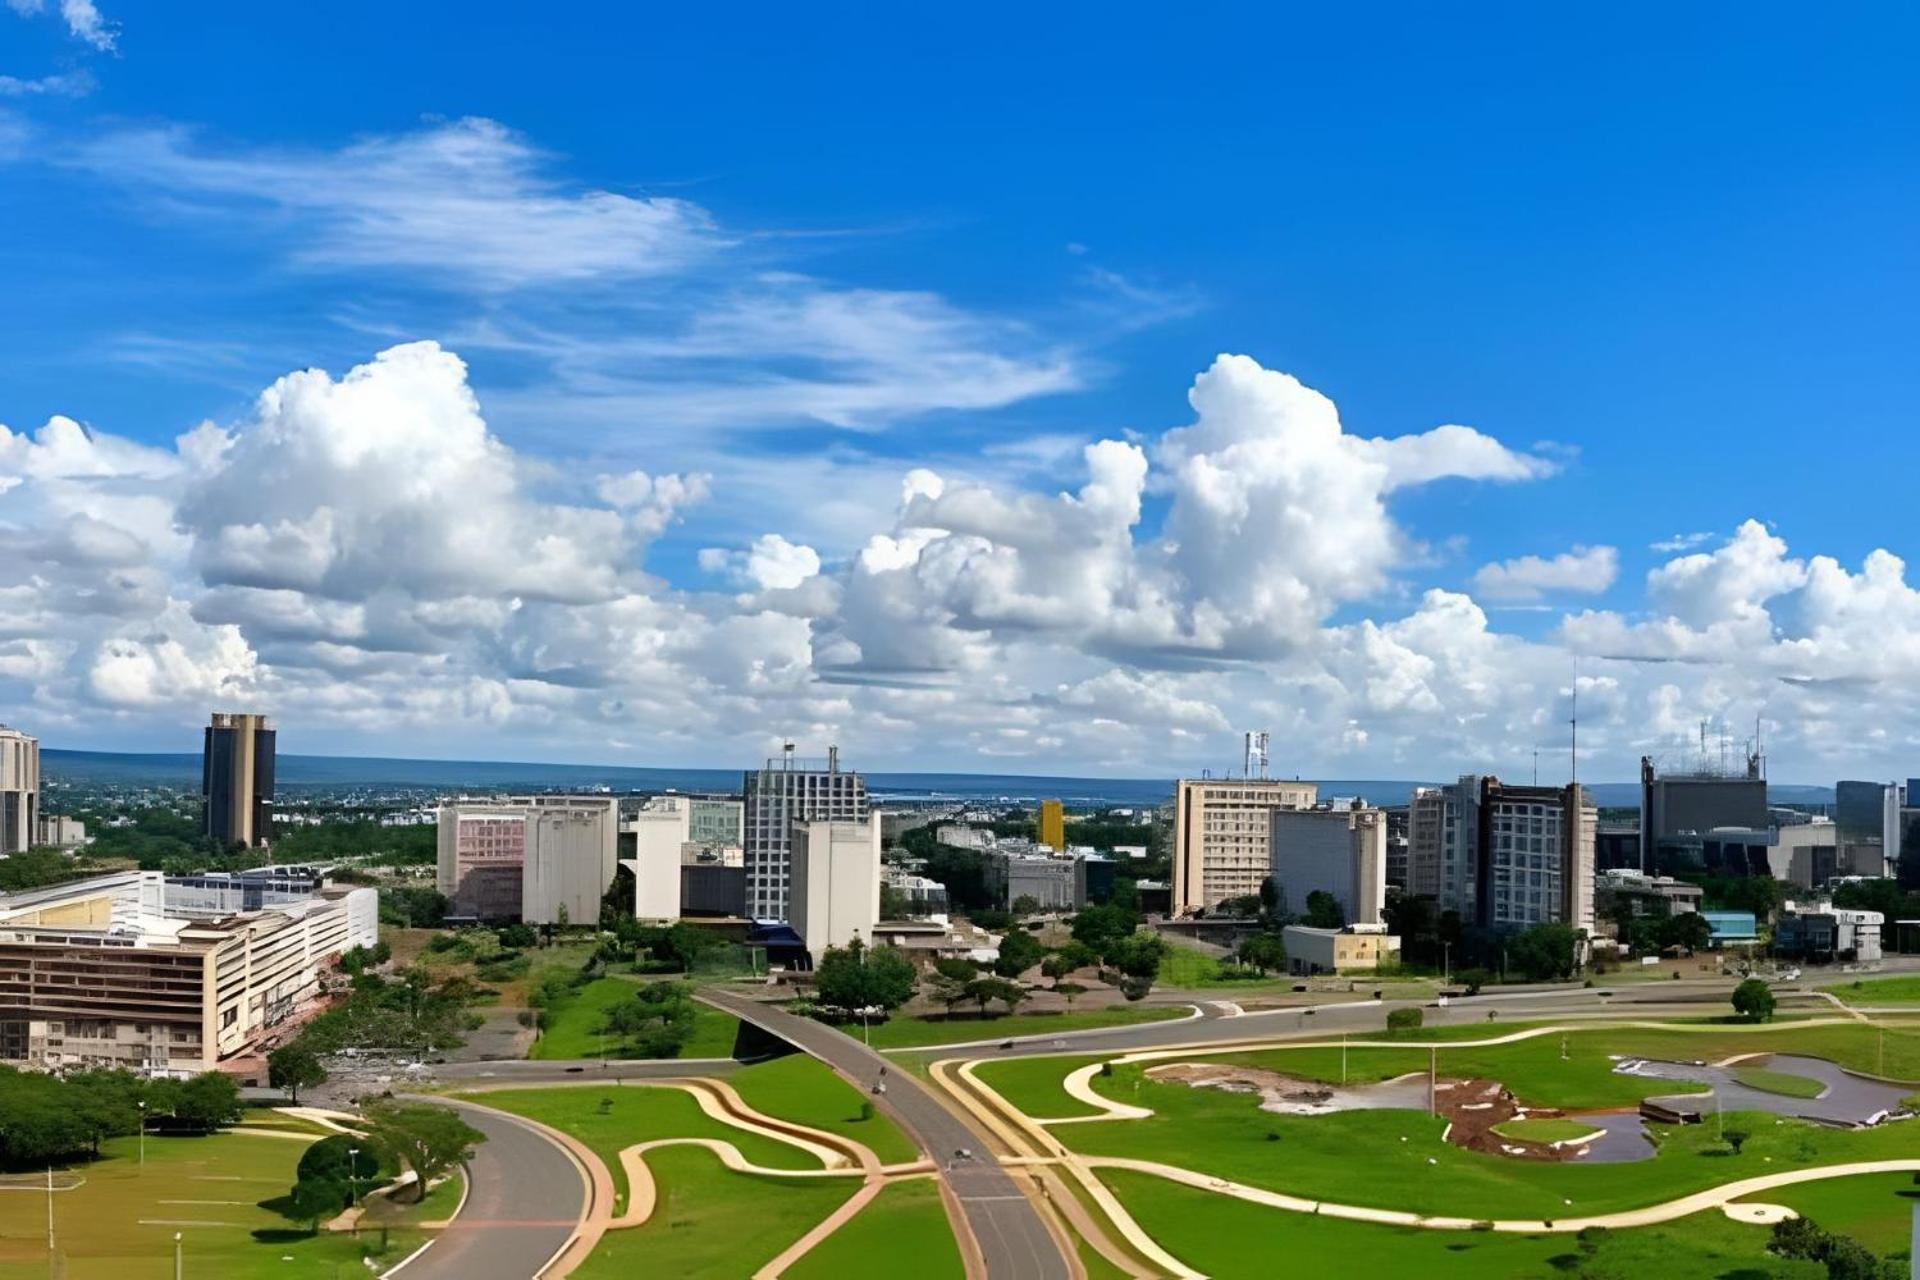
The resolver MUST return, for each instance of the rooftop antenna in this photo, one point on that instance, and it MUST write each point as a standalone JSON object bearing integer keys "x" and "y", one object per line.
{"x": 1536, "y": 766}
{"x": 1256, "y": 755}
{"x": 1574, "y": 721}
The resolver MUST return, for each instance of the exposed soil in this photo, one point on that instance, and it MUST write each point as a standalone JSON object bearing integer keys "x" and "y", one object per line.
{"x": 1471, "y": 1108}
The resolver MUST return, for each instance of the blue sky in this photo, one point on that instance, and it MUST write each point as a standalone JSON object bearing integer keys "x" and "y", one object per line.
{"x": 1667, "y": 255}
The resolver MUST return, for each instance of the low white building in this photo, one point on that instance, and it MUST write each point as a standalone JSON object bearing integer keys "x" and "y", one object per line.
{"x": 60, "y": 832}
{"x": 1353, "y": 949}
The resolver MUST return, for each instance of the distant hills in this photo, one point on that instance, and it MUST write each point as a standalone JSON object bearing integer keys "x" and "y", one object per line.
{"x": 113, "y": 768}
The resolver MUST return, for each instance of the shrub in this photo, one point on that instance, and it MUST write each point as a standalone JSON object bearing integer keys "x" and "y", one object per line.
{"x": 1405, "y": 1019}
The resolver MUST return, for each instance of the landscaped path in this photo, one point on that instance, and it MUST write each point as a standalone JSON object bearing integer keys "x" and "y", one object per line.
{"x": 1002, "y": 1232}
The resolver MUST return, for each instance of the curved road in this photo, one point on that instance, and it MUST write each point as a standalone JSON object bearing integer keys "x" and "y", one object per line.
{"x": 525, "y": 1197}
{"x": 1014, "y": 1241}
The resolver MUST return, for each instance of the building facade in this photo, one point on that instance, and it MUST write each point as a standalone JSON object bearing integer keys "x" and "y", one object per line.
{"x": 236, "y": 780}
{"x": 788, "y": 791}
{"x": 716, "y": 821}
{"x": 1505, "y": 856}
{"x": 1012, "y": 876}
{"x": 652, "y": 846}
{"x": 1223, "y": 836}
{"x": 835, "y": 881}
{"x": 1348, "y": 950}
{"x": 119, "y": 971}
{"x": 538, "y": 859}
{"x": 19, "y": 790}
{"x": 1682, "y": 804}
{"x": 1338, "y": 851}
{"x": 1053, "y": 825}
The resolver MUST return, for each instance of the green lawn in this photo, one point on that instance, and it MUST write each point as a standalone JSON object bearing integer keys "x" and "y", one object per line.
{"x": 1871, "y": 1209}
{"x": 1546, "y": 1130}
{"x": 806, "y": 1091}
{"x": 936, "y": 1029}
{"x": 1535, "y": 1070}
{"x": 1784, "y": 1083}
{"x": 636, "y": 1114}
{"x": 573, "y": 1026}
{"x": 120, "y": 1223}
{"x": 1878, "y": 991}
{"x": 1231, "y": 1240}
{"x": 1033, "y": 1084}
{"x": 1397, "y": 1159}
{"x": 905, "y": 1221}
{"x": 711, "y": 1221}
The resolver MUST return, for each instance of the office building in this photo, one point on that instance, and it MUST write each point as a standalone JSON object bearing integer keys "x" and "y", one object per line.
{"x": 1505, "y": 856}
{"x": 1643, "y": 894}
{"x": 236, "y": 780}
{"x": 1053, "y": 825}
{"x": 538, "y": 859}
{"x": 19, "y": 790}
{"x": 1223, "y": 836}
{"x": 1823, "y": 933}
{"x": 653, "y": 843}
{"x": 130, "y": 971}
{"x": 961, "y": 836}
{"x": 788, "y": 791}
{"x": 918, "y": 897}
{"x": 1676, "y": 804}
{"x": 1804, "y": 853}
{"x": 716, "y": 821}
{"x": 1867, "y": 819}
{"x": 1616, "y": 847}
{"x": 60, "y": 832}
{"x": 1012, "y": 875}
{"x": 1338, "y": 851}
{"x": 1093, "y": 877}
{"x": 834, "y": 881}
{"x": 1354, "y": 949}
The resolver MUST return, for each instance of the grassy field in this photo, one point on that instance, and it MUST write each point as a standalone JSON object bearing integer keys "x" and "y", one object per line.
{"x": 806, "y": 1091}
{"x": 1033, "y": 1084}
{"x": 1536, "y": 1071}
{"x": 573, "y": 1027}
{"x": 1870, "y": 1209}
{"x": 1545, "y": 1130}
{"x": 915, "y": 1032}
{"x": 1397, "y": 1159}
{"x": 1878, "y": 991}
{"x": 713, "y": 1222}
{"x": 120, "y": 1222}
{"x": 1229, "y": 1238}
{"x": 905, "y": 1221}
{"x": 1784, "y": 1083}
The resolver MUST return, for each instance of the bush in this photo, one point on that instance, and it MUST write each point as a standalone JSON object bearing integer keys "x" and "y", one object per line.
{"x": 1404, "y": 1019}
{"x": 1473, "y": 979}
{"x": 1753, "y": 1000}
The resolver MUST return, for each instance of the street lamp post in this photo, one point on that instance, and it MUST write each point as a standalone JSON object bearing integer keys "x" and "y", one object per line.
{"x": 353, "y": 1184}
{"x": 50, "y": 1244}
{"x": 143, "y": 1132}
{"x": 176, "y": 1255}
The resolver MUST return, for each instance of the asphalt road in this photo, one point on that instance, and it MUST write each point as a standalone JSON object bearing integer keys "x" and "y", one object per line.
{"x": 1013, "y": 1239}
{"x": 525, "y": 1197}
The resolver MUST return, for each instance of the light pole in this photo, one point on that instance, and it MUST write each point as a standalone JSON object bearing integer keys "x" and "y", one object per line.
{"x": 353, "y": 1184}
{"x": 176, "y": 1255}
{"x": 1446, "y": 964}
{"x": 143, "y": 1132}
{"x": 50, "y": 1244}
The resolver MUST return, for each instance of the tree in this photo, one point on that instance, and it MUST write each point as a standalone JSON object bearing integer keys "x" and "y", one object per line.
{"x": 983, "y": 991}
{"x": 1069, "y": 990}
{"x": 947, "y": 990}
{"x": 1019, "y": 952}
{"x": 1544, "y": 952}
{"x": 1753, "y": 1000}
{"x": 1735, "y": 1138}
{"x": 1138, "y": 955}
{"x": 208, "y": 1101}
{"x": 1025, "y": 905}
{"x": 1687, "y": 930}
{"x": 1404, "y": 1019}
{"x": 1472, "y": 979}
{"x": 311, "y": 1200}
{"x": 1055, "y": 967}
{"x": 1323, "y": 911}
{"x": 294, "y": 1066}
{"x": 1135, "y": 988}
{"x": 1264, "y": 951}
{"x": 859, "y": 977}
{"x": 431, "y": 1139}
{"x": 1100, "y": 927}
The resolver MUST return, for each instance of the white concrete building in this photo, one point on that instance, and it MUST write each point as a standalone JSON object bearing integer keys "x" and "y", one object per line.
{"x": 60, "y": 832}
{"x": 1338, "y": 851}
{"x": 835, "y": 882}
{"x": 19, "y": 790}
{"x": 653, "y": 845}
{"x": 529, "y": 857}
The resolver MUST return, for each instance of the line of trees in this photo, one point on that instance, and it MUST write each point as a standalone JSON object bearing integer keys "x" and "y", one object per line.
{"x": 47, "y": 1118}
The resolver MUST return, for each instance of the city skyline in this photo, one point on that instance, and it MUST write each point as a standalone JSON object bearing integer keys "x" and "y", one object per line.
{"x": 659, "y": 419}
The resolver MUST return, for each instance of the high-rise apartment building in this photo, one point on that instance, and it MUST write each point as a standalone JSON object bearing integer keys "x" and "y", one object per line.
{"x": 1053, "y": 825}
{"x": 540, "y": 859}
{"x": 236, "y": 780}
{"x": 1338, "y": 851}
{"x": 1505, "y": 856}
{"x": 788, "y": 790}
{"x": 19, "y": 790}
{"x": 1223, "y": 836}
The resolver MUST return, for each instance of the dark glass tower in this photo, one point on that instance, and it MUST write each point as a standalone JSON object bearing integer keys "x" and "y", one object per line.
{"x": 236, "y": 780}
